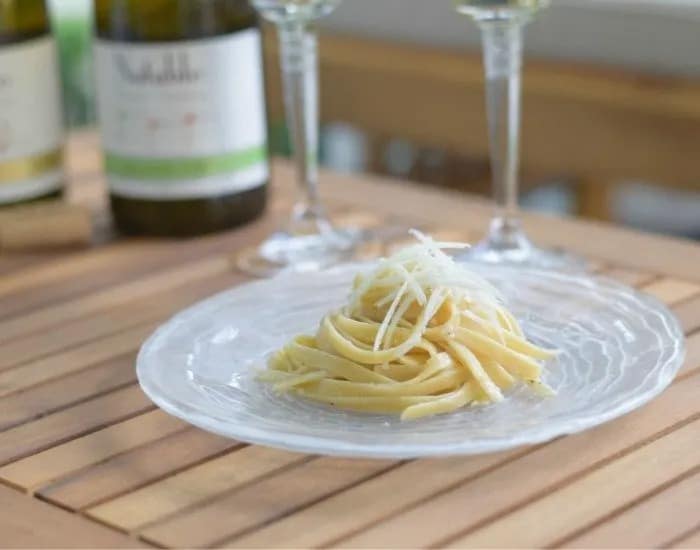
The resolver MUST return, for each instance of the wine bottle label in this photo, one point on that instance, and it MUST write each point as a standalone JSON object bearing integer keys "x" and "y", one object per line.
{"x": 183, "y": 119}
{"x": 31, "y": 120}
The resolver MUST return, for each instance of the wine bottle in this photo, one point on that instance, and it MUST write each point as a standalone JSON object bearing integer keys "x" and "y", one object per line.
{"x": 182, "y": 112}
{"x": 31, "y": 113}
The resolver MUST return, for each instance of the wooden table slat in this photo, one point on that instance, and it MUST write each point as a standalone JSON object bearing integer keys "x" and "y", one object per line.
{"x": 155, "y": 307}
{"x": 648, "y": 525}
{"x": 20, "y": 304}
{"x": 136, "y": 468}
{"x": 52, "y": 279}
{"x": 598, "y": 494}
{"x": 72, "y": 422}
{"x": 271, "y": 498}
{"x": 12, "y": 263}
{"x": 30, "y": 523}
{"x": 114, "y": 264}
{"x": 112, "y": 297}
{"x": 69, "y": 390}
{"x": 690, "y": 541}
{"x": 672, "y": 291}
{"x": 692, "y": 359}
{"x": 66, "y": 458}
{"x": 29, "y": 261}
{"x": 688, "y": 314}
{"x": 194, "y": 486}
{"x": 351, "y": 510}
{"x": 73, "y": 360}
{"x": 631, "y": 277}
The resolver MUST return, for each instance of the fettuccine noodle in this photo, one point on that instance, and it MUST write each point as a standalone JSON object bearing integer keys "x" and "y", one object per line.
{"x": 420, "y": 336}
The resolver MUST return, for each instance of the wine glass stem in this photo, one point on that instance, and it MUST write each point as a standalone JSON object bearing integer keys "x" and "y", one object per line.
{"x": 503, "y": 57}
{"x": 299, "y": 61}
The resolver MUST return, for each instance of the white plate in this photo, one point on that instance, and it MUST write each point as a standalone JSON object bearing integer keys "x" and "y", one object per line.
{"x": 620, "y": 349}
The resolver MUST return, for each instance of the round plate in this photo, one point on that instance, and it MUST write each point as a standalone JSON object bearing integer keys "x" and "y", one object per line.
{"x": 620, "y": 348}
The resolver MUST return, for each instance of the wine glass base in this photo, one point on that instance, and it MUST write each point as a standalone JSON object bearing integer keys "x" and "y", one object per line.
{"x": 527, "y": 256}
{"x": 283, "y": 251}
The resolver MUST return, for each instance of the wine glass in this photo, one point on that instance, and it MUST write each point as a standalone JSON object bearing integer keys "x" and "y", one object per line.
{"x": 502, "y": 23}
{"x": 309, "y": 240}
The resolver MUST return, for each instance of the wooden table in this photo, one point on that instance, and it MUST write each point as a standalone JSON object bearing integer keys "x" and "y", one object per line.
{"x": 86, "y": 460}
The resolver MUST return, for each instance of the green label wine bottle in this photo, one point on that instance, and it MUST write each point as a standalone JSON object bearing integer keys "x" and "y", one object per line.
{"x": 31, "y": 115}
{"x": 182, "y": 112}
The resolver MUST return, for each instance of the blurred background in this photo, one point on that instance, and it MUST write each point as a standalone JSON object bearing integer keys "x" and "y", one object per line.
{"x": 611, "y": 91}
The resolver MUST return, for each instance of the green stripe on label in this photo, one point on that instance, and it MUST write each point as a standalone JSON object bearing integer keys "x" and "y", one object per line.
{"x": 183, "y": 168}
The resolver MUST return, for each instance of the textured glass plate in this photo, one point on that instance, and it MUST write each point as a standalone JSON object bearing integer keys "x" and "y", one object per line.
{"x": 620, "y": 349}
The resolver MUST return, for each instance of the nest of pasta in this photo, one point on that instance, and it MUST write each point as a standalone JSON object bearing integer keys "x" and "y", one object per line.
{"x": 420, "y": 335}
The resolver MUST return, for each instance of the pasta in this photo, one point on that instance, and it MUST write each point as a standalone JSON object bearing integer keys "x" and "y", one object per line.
{"x": 420, "y": 335}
